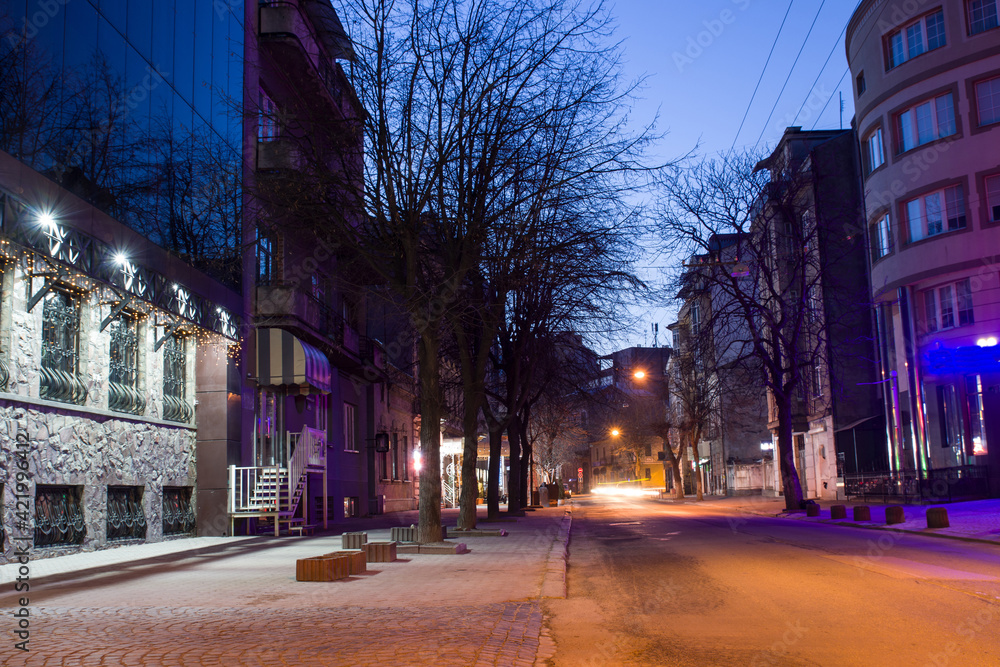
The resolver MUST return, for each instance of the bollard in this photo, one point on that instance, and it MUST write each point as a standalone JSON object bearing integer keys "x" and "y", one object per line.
{"x": 937, "y": 517}
{"x": 812, "y": 509}
{"x": 862, "y": 513}
{"x": 838, "y": 511}
{"x": 894, "y": 514}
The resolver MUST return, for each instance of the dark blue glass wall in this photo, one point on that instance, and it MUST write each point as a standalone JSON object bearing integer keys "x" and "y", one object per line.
{"x": 135, "y": 106}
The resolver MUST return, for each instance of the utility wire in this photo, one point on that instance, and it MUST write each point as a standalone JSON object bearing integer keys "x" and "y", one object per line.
{"x": 823, "y": 69}
{"x": 830, "y": 98}
{"x": 792, "y": 69}
{"x": 773, "y": 44}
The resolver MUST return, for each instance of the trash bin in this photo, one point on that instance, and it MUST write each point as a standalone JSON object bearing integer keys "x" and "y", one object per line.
{"x": 543, "y": 495}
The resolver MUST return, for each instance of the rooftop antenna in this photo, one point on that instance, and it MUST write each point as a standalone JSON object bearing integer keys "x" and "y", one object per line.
{"x": 656, "y": 333}
{"x": 841, "y": 93}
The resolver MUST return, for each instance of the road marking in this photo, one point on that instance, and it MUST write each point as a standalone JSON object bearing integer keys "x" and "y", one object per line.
{"x": 627, "y": 523}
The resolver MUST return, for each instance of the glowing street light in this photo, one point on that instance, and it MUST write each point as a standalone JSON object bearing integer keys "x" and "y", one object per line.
{"x": 615, "y": 432}
{"x": 640, "y": 374}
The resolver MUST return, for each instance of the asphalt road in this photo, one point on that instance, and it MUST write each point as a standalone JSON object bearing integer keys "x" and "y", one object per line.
{"x": 685, "y": 584}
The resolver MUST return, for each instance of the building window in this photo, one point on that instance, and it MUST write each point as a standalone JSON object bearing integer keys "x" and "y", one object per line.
{"x": 880, "y": 233}
{"x": 924, "y": 34}
{"x": 874, "y": 154}
{"x": 988, "y": 101}
{"x": 935, "y": 213}
{"x": 350, "y": 506}
{"x": 265, "y": 259}
{"x": 322, "y": 412}
{"x": 950, "y": 419}
{"x": 267, "y": 118}
{"x": 395, "y": 456}
{"x": 817, "y": 381}
{"x": 695, "y": 315}
{"x": 126, "y": 519}
{"x": 175, "y": 403}
{"x": 993, "y": 197}
{"x": 60, "y": 376}
{"x": 58, "y": 516}
{"x": 405, "y": 458}
{"x": 861, "y": 83}
{"x": 982, "y": 15}
{"x": 350, "y": 428}
{"x": 925, "y": 122}
{"x": 178, "y": 515}
{"x": 949, "y": 306}
{"x": 123, "y": 376}
{"x": 977, "y": 426}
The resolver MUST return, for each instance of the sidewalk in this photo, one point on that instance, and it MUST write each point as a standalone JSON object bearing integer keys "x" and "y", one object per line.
{"x": 977, "y": 520}
{"x": 235, "y": 601}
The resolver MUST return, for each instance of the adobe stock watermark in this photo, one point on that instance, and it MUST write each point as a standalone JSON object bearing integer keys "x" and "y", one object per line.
{"x": 814, "y": 105}
{"x": 968, "y": 629}
{"x": 777, "y": 653}
{"x": 35, "y": 21}
{"x": 704, "y": 39}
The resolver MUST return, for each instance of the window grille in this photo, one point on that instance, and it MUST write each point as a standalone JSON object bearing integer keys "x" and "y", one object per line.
{"x": 123, "y": 377}
{"x": 60, "y": 379}
{"x": 58, "y": 516}
{"x": 178, "y": 515}
{"x": 125, "y": 517}
{"x": 175, "y": 404}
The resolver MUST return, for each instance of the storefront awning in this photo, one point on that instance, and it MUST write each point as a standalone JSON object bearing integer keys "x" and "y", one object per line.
{"x": 285, "y": 361}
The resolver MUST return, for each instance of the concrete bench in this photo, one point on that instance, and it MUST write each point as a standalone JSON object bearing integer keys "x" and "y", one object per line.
{"x": 380, "y": 552}
{"x": 353, "y": 540}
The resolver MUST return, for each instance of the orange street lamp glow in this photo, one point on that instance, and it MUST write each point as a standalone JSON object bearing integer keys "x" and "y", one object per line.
{"x": 615, "y": 432}
{"x": 639, "y": 374}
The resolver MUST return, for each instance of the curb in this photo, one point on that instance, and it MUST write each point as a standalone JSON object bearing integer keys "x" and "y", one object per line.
{"x": 554, "y": 578}
{"x": 852, "y": 524}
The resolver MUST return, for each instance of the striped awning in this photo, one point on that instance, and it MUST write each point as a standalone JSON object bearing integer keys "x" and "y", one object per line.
{"x": 285, "y": 361}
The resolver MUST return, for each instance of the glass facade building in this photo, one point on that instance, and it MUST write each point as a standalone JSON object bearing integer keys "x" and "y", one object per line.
{"x": 135, "y": 106}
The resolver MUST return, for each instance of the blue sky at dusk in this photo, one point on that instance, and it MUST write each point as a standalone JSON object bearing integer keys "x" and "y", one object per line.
{"x": 702, "y": 61}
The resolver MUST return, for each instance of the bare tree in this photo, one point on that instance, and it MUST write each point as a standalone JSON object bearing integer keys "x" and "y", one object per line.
{"x": 766, "y": 281}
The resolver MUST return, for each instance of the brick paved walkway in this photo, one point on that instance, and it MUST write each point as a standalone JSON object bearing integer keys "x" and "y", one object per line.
{"x": 239, "y": 604}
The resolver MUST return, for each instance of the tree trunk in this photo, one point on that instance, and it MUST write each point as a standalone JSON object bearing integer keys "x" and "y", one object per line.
{"x": 493, "y": 474}
{"x": 470, "y": 483}
{"x": 786, "y": 454}
{"x": 526, "y": 467}
{"x": 699, "y": 491}
{"x": 514, "y": 479}
{"x": 429, "y": 529}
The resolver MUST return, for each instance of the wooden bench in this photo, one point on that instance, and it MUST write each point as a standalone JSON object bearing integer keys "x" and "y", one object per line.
{"x": 322, "y": 568}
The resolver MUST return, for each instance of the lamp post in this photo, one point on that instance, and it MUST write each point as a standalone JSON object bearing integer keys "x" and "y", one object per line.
{"x": 661, "y": 390}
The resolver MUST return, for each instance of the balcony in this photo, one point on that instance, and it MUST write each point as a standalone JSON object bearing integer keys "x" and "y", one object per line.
{"x": 296, "y": 309}
{"x": 278, "y": 154}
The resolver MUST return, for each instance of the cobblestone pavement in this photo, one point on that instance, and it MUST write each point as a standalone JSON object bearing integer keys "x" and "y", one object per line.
{"x": 493, "y": 634}
{"x": 240, "y": 605}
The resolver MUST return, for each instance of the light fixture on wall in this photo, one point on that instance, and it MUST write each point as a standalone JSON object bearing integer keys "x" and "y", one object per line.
{"x": 382, "y": 442}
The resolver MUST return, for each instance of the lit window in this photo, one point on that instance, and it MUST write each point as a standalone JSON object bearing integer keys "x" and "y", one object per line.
{"x": 935, "y": 213}
{"x": 993, "y": 197}
{"x": 988, "y": 101}
{"x": 925, "y": 122}
{"x": 924, "y": 34}
{"x": 881, "y": 237}
{"x": 982, "y": 15}
{"x": 948, "y": 306}
{"x": 873, "y": 150}
{"x": 60, "y": 373}
{"x": 175, "y": 404}
{"x": 977, "y": 418}
{"x": 950, "y": 420}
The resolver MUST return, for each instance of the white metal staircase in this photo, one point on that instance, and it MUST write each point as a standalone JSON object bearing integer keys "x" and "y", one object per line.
{"x": 274, "y": 493}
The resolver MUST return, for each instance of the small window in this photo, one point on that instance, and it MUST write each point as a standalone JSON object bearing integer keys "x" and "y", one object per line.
{"x": 178, "y": 515}
{"x": 880, "y": 234}
{"x": 977, "y": 416}
{"x": 925, "y": 122}
{"x": 874, "y": 153}
{"x": 861, "y": 83}
{"x": 988, "y": 101}
{"x": 992, "y": 184}
{"x": 350, "y": 428}
{"x": 395, "y": 456}
{"x": 265, "y": 259}
{"x": 935, "y": 213}
{"x": 948, "y": 306}
{"x": 350, "y": 506}
{"x": 924, "y": 34}
{"x": 58, "y": 515}
{"x": 126, "y": 520}
{"x": 982, "y": 15}
{"x": 267, "y": 118}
